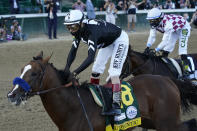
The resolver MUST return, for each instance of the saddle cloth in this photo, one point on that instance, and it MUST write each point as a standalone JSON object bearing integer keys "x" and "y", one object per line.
{"x": 130, "y": 115}
{"x": 176, "y": 67}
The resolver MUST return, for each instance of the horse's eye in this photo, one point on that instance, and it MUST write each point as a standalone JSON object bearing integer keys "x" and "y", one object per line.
{"x": 33, "y": 74}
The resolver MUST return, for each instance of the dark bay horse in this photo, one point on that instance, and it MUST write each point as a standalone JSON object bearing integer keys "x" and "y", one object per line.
{"x": 159, "y": 99}
{"x": 139, "y": 63}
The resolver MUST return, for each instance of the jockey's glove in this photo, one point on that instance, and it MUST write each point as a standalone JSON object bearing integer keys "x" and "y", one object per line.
{"x": 75, "y": 75}
{"x": 157, "y": 49}
{"x": 147, "y": 50}
{"x": 76, "y": 79}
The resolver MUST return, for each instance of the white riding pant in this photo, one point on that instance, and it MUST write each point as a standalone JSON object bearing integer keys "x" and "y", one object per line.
{"x": 117, "y": 51}
{"x": 182, "y": 35}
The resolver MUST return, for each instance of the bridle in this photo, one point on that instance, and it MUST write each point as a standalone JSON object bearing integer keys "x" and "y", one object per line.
{"x": 41, "y": 76}
{"x": 72, "y": 83}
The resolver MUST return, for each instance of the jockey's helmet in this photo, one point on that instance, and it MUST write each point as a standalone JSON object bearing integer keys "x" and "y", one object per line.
{"x": 154, "y": 17}
{"x": 73, "y": 20}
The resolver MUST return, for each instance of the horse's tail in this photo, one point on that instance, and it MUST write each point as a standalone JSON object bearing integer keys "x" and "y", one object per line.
{"x": 188, "y": 93}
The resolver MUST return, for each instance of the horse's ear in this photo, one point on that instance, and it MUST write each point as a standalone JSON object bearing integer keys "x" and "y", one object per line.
{"x": 46, "y": 60}
{"x": 39, "y": 56}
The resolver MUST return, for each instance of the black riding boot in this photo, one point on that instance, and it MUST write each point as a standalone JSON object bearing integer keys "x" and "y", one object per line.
{"x": 186, "y": 67}
{"x": 165, "y": 53}
{"x": 115, "y": 110}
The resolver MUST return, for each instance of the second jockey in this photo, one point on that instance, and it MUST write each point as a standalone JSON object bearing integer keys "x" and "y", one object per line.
{"x": 174, "y": 27}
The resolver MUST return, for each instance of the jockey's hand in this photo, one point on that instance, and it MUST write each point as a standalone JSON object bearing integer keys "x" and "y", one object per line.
{"x": 152, "y": 53}
{"x": 74, "y": 74}
{"x": 147, "y": 51}
{"x": 158, "y": 52}
{"x": 75, "y": 78}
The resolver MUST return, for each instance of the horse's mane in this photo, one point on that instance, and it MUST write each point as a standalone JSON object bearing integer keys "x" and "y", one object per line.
{"x": 152, "y": 56}
{"x": 126, "y": 71}
{"x": 64, "y": 76}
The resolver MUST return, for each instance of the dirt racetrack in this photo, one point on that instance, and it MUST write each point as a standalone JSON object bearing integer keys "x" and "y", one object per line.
{"x": 15, "y": 54}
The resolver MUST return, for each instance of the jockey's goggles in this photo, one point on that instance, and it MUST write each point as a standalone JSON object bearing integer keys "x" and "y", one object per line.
{"x": 73, "y": 27}
{"x": 154, "y": 22}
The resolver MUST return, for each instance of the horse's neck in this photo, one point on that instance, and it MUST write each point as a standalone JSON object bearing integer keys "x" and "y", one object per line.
{"x": 60, "y": 98}
{"x": 139, "y": 64}
{"x": 155, "y": 66}
{"x": 51, "y": 79}
{"x": 59, "y": 101}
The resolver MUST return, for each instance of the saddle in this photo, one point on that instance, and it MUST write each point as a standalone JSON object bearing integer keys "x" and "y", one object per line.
{"x": 105, "y": 95}
{"x": 130, "y": 115}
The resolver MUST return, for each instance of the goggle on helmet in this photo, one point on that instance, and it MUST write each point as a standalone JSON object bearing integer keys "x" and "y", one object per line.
{"x": 73, "y": 19}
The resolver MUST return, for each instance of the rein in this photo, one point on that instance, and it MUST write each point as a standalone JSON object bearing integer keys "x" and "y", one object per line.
{"x": 72, "y": 83}
{"x": 51, "y": 89}
{"x": 83, "y": 107}
{"x": 136, "y": 69}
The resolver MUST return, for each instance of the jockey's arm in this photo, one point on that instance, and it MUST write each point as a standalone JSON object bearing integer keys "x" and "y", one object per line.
{"x": 72, "y": 54}
{"x": 165, "y": 40}
{"x": 90, "y": 59}
{"x": 151, "y": 38}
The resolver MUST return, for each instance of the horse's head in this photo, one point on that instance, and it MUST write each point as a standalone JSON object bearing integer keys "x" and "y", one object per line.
{"x": 29, "y": 81}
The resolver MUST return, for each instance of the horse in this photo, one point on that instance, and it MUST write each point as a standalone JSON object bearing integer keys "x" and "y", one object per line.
{"x": 71, "y": 107}
{"x": 139, "y": 63}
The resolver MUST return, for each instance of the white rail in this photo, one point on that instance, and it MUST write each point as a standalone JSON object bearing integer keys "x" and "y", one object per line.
{"x": 97, "y": 13}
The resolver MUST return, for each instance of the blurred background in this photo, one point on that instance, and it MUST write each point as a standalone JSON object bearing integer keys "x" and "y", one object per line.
{"x": 32, "y": 14}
